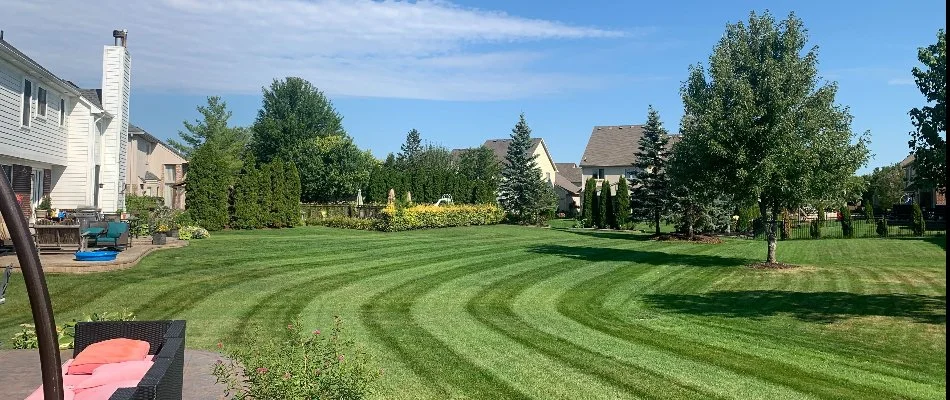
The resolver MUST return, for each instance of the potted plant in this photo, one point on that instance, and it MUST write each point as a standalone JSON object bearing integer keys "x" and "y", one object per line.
{"x": 160, "y": 235}
{"x": 43, "y": 209}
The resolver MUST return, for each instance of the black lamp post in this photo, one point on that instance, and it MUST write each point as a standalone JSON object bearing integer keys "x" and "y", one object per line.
{"x": 36, "y": 290}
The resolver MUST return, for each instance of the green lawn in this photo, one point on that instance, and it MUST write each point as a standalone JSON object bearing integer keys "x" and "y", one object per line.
{"x": 512, "y": 312}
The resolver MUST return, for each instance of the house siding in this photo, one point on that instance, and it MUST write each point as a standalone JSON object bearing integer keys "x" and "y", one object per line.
{"x": 45, "y": 139}
{"x": 116, "y": 85}
{"x": 611, "y": 174}
{"x": 146, "y": 156}
{"x": 72, "y": 184}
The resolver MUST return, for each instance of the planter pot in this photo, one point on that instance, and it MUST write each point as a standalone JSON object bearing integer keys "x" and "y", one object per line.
{"x": 158, "y": 238}
{"x": 173, "y": 234}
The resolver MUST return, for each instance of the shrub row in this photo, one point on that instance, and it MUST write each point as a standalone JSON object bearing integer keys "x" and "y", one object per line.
{"x": 393, "y": 219}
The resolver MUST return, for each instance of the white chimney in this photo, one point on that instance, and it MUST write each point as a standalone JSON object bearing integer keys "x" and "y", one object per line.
{"x": 116, "y": 88}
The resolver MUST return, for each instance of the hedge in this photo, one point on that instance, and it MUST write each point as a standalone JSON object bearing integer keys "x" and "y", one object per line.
{"x": 393, "y": 219}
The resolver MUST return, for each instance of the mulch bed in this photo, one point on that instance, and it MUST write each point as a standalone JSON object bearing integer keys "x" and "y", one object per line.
{"x": 673, "y": 237}
{"x": 777, "y": 265}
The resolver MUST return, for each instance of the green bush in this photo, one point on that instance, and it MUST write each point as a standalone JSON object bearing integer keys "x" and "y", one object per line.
{"x": 300, "y": 365}
{"x": 393, "y": 219}
{"x": 869, "y": 213}
{"x": 343, "y": 222}
{"x": 882, "y": 227}
{"x": 847, "y": 223}
{"x": 192, "y": 232}
{"x": 918, "y": 221}
{"x": 815, "y": 229}
{"x": 66, "y": 332}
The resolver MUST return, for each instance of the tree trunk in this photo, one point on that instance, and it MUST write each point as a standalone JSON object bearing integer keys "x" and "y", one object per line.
{"x": 656, "y": 220}
{"x": 769, "y": 232}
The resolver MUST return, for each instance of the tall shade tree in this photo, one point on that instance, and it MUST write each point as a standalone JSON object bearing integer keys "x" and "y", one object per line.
{"x": 650, "y": 184}
{"x": 213, "y": 126}
{"x": 590, "y": 201}
{"x": 622, "y": 201}
{"x": 297, "y": 123}
{"x": 886, "y": 186}
{"x": 929, "y": 141}
{"x": 521, "y": 192}
{"x": 760, "y": 116}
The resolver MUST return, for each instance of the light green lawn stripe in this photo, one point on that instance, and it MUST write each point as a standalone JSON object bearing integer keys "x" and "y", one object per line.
{"x": 534, "y": 305}
{"x": 541, "y": 377}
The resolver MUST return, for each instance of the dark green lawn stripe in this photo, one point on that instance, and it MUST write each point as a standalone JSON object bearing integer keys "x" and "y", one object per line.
{"x": 583, "y": 306}
{"x": 388, "y": 317}
{"x": 492, "y": 307}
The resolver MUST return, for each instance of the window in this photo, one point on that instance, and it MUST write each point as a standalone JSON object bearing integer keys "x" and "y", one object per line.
{"x": 41, "y": 101}
{"x": 630, "y": 173}
{"x": 62, "y": 112}
{"x": 36, "y": 194}
{"x": 169, "y": 173}
{"x": 600, "y": 173}
{"x": 27, "y": 101}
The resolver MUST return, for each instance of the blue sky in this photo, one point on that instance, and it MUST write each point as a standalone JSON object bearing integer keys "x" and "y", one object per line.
{"x": 460, "y": 72}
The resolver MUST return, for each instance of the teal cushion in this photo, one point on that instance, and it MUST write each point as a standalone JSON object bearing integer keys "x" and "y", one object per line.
{"x": 93, "y": 231}
{"x": 105, "y": 240}
{"x": 116, "y": 229}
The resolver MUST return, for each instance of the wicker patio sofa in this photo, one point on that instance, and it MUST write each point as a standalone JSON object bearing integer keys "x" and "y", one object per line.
{"x": 163, "y": 381}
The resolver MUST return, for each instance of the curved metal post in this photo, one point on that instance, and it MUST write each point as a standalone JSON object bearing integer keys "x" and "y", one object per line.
{"x": 36, "y": 289}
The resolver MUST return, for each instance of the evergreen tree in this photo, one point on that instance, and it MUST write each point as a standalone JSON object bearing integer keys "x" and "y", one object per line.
{"x": 213, "y": 126}
{"x": 480, "y": 169}
{"x": 292, "y": 195}
{"x": 411, "y": 148}
{"x": 622, "y": 200}
{"x": 650, "y": 185}
{"x": 590, "y": 199}
{"x": 265, "y": 194}
{"x": 246, "y": 205}
{"x": 918, "y": 224}
{"x": 607, "y": 216}
{"x": 522, "y": 191}
{"x": 208, "y": 188}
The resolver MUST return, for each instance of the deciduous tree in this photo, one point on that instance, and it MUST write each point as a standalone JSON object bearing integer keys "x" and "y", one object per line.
{"x": 929, "y": 141}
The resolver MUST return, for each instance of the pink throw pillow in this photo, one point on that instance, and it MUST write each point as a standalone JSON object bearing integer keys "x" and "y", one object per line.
{"x": 106, "y": 352}
{"x": 127, "y": 371}
{"x": 103, "y": 392}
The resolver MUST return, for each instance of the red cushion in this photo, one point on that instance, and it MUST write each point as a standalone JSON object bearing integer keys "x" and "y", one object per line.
{"x": 103, "y": 392}
{"x": 115, "y": 372}
{"x": 106, "y": 352}
{"x": 69, "y": 381}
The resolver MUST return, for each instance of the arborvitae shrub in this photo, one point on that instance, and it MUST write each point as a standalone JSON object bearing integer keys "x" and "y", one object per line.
{"x": 882, "y": 227}
{"x": 847, "y": 223}
{"x": 918, "y": 221}
{"x": 815, "y": 229}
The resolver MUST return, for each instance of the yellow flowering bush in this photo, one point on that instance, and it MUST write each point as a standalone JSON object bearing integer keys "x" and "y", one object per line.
{"x": 393, "y": 219}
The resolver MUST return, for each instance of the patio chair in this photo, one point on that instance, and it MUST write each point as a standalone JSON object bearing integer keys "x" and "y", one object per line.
{"x": 116, "y": 235}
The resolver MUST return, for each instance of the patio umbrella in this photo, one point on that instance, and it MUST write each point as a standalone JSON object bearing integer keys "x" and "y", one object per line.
{"x": 36, "y": 291}
{"x": 359, "y": 197}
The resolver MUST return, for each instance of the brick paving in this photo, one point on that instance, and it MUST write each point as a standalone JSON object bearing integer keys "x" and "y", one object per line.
{"x": 20, "y": 374}
{"x": 65, "y": 263}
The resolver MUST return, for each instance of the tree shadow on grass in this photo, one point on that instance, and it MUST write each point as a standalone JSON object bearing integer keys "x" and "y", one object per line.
{"x": 821, "y": 307}
{"x": 605, "y": 234}
{"x": 939, "y": 241}
{"x": 585, "y": 253}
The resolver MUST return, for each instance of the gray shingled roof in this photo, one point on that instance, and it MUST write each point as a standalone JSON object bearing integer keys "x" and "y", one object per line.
{"x": 94, "y": 96}
{"x": 136, "y": 131}
{"x": 571, "y": 172}
{"x": 615, "y": 145}
{"x": 565, "y": 183}
{"x": 500, "y": 147}
{"x": 908, "y": 160}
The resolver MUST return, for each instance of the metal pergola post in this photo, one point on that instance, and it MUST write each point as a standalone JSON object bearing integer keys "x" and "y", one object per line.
{"x": 36, "y": 289}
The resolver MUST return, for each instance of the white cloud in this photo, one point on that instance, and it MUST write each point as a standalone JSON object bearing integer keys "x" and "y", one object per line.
{"x": 423, "y": 49}
{"x": 900, "y": 81}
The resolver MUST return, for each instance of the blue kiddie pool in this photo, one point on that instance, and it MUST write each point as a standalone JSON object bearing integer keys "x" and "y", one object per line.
{"x": 98, "y": 255}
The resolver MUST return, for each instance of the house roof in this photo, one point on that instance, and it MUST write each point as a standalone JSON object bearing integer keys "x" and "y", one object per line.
{"x": 565, "y": 183}
{"x": 571, "y": 172}
{"x": 149, "y": 176}
{"x": 136, "y": 131}
{"x": 615, "y": 145}
{"x": 907, "y": 161}
{"x": 20, "y": 59}
{"x": 93, "y": 96}
{"x": 612, "y": 145}
{"x": 500, "y": 148}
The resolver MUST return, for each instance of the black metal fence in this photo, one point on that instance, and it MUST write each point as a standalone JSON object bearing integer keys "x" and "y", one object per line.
{"x": 324, "y": 211}
{"x": 861, "y": 228}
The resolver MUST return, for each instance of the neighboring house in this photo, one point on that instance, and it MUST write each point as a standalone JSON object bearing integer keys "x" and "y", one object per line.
{"x": 610, "y": 153}
{"x": 927, "y": 198}
{"x": 155, "y": 168}
{"x": 538, "y": 148}
{"x": 568, "y": 184}
{"x": 61, "y": 141}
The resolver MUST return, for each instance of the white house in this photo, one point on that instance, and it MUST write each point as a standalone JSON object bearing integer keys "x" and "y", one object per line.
{"x": 61, "y": 141}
